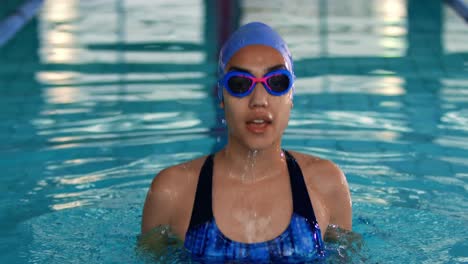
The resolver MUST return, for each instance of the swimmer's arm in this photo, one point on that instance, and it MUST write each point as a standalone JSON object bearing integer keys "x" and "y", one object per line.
{"x": 339, "y": 199}
{"x": 327, "y": 179}
{"x": 156, "y": 234}
{"x": 160, "y": 202}
{"x": 339, "y": 206}
{"x": 339, "y": 230}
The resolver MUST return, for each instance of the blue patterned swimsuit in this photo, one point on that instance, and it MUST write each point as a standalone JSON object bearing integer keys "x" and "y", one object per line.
{"x": 301, "y": 241}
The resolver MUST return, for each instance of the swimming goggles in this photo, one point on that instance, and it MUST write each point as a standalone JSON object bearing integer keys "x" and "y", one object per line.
{"x": 241, "y": 84}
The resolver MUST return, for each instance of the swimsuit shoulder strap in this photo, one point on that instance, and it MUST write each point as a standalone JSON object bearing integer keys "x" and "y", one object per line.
{"x": 301, "y": 200}
{"x": 202, "y": 211}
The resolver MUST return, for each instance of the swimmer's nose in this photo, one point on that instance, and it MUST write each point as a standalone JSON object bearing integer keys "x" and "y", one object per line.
{"x": 259, "y": 96}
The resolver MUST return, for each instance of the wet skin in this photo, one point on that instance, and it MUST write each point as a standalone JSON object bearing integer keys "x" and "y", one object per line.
{"x": 252, "y": 199}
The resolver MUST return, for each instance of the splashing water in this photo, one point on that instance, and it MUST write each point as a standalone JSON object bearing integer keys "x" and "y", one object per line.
{"x": 160, "y": 245}
{"x": 248, "y": 175}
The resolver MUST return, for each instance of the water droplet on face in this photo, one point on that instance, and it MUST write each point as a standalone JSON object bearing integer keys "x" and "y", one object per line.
{"x": 254, "y": 153}
{"x": 249, "y": 165}
{"x": 282, "y": 156}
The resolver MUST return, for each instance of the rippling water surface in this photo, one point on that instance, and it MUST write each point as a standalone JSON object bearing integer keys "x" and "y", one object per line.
{"x": 99, "y": 96}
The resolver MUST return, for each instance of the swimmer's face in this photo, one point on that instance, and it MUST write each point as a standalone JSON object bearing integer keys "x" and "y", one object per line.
{"x": 258, "y": 120}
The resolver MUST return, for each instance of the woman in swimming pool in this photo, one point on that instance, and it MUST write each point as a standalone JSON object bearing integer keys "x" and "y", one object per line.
{"x": 253, "y": 200}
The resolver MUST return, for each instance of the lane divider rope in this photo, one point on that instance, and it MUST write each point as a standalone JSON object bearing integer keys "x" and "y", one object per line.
{"x": 11, "y": 24}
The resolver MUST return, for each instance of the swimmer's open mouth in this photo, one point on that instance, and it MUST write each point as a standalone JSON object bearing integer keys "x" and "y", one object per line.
{"x": 259, "y": 122}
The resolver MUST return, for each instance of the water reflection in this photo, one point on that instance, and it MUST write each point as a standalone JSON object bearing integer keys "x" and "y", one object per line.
{"x": 100, "y": 186}
{"x": 58, "y": 37}
{"x": 365, "y": 85}
{"x": 173, "y": 57}
{"x": 393, "y": 28}
{"x": 455, "y": 120}
{"x": 390, "y": 122}
{"x": 69, "y": 205}
{"x": 452, "y": 142}
{"x": 56, "y": 77}
{"x": 106, "y": 93}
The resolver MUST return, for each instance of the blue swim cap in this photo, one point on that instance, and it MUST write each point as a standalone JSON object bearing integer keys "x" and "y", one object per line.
{"x": 254, "y": 33}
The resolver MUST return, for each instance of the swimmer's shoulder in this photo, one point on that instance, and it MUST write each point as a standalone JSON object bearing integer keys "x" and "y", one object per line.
{"x": 171, "y": 194}
{"x": 326, "y": 179}
{"x": 179, "y": 176}
{"x": 318, "y": 169}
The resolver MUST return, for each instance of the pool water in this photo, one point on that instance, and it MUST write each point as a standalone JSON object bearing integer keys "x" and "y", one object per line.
{"x": 98, "y": 96}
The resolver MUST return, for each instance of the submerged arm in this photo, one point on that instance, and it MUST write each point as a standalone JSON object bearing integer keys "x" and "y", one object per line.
{"x": 339, "y": 200}
{"x": 160, "y": 205}
{"x": 159, "y": 201}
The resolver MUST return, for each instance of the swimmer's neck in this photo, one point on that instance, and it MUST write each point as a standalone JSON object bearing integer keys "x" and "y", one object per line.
{"x": 252, "y": 165}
